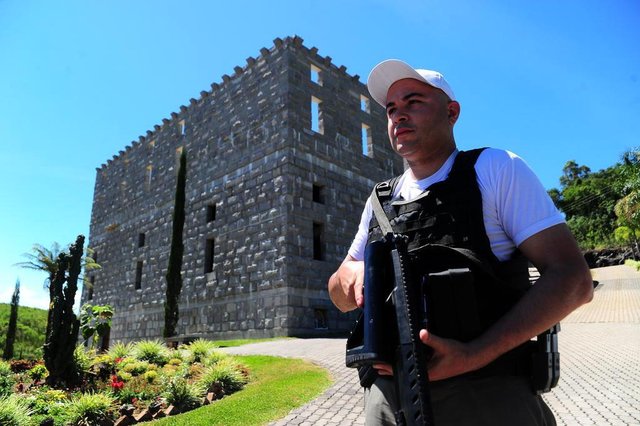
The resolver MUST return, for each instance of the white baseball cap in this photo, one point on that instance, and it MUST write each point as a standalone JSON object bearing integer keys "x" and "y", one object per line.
{"x": 387, "y": 72}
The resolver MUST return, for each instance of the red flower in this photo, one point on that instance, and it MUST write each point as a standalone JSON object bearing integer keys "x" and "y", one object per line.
{"x": 116, "y": 384}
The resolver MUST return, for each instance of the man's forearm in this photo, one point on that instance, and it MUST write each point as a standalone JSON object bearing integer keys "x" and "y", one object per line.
{"x": 555, "y": 295}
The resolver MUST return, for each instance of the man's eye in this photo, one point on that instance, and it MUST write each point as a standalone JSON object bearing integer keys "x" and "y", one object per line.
{"x": 391, "y": 111}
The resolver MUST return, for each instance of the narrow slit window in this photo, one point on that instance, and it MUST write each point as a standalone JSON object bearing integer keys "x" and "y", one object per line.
{"x": 142, "y": 239}
{"x": 138, "y": 285}
{"x": 367, "y": 148}
{"x": 316, "y": 75}
{"x": 182, "y": 127}
{"x": 364, "y": 104}
{"x": 211, "y": 213}
{"x": 318, "y": 193}
{"x": 317, "y": 124}
{"x": 318, "y": 241}
{"x": 149, "y": 176}
{"x": 208, "y": 255}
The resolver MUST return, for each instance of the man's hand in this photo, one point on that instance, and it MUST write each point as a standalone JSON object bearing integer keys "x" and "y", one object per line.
{"x": 346, "y": 285}
{"x": 450, "y": 357}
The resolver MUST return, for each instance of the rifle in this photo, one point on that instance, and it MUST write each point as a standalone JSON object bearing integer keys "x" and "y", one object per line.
{"x": 388, "y": 330}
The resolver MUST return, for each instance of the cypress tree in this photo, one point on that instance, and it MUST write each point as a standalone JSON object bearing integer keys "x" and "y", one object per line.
{"x": 13, "y": 323}
{"x": 174, "y": 277}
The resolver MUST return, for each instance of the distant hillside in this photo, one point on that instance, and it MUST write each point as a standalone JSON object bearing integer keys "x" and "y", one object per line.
{"x": 32, "y": 323}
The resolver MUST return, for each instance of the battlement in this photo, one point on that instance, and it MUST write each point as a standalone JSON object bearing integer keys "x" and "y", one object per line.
{"x": 279, "y": 45}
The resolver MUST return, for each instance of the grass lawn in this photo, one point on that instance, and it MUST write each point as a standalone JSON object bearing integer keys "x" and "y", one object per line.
{"x": 277, "y": 386}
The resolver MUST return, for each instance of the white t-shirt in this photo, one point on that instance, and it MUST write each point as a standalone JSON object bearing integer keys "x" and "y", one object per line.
{"x": 515, "y": 205}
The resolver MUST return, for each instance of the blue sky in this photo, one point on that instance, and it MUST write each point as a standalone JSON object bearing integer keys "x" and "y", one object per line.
{"x": 79, "y": 80}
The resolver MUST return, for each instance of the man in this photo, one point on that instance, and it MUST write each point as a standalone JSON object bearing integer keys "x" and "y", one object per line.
{"x": 518, "y": 217}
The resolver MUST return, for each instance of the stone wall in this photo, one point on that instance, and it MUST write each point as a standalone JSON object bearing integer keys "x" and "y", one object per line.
{"x": 260, "y": 184}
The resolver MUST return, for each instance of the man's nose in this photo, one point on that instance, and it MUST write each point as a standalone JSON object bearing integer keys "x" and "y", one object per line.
{"x": 399, "y": 116}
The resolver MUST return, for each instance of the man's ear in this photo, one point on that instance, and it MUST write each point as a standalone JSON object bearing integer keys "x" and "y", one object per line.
{"x": 454, "y": 112}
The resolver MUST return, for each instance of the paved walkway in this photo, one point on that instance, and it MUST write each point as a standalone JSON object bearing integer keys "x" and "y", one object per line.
{"x": 600, "y": 355}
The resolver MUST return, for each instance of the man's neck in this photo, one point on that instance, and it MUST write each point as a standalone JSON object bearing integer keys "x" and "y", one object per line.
{"x": 426, "y": 167}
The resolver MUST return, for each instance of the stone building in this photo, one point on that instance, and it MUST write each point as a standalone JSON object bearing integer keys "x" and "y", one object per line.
{"x": 281, "y": 156}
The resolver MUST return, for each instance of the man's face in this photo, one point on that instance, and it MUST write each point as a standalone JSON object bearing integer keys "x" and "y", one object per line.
{"x": 420, "y": 119}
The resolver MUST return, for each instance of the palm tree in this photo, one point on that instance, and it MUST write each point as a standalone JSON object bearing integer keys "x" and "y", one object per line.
{"x": 45, "y": 260}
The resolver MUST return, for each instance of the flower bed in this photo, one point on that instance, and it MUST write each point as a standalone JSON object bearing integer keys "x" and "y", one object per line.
{"x": 128, "y": 384}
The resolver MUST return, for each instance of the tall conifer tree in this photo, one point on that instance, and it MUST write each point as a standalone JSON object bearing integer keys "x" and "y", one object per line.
{"x": 13, "y": 323}
{"x": 174, "y": 277}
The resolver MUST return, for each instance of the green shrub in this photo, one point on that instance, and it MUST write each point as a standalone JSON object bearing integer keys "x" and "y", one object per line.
{"x": 83, "y": 358}
{"x": 200, "y": 349}
{"x": 633, "y": 263}
{"x": 136, "y": 368}
{"x": 90, "y": 409}
{"x": 227, "y": 373}
{"x": 214, "y": 357}
{"x": 14, "y": 411}
{"x": 120, "y": 350}
{"x": 150, "y": 376}
{"x": 38, "y": 372}
{"x": 181, "y": 394}
{"x": 153, "y": 351}
{"x": 48, "y": 403}
{"x": 7, "y": 380}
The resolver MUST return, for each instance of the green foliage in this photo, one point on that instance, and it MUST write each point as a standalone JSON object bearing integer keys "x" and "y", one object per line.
{"x": 174, "y": 276}
{"x": 38, "y": 372}
{"x": 633, "y": 263}
{"x": 278, "y": 386}
{"x": 181, "y": 394}
{"x": 31, "y": 326}
{"x": 90, "y": 409}
{"x": 7, "y": 380}
{"x": 153, "y": 351}
{"x": 120, "y": 350}
{"x": 588, "y": 200}
{"x": 82, "y": 359}
{"x": 226, "y": 373}
{"x": 200, "y": 349}
{"x": 95, "y": 320}
{"x": 14, "y": 411}
{"x": 13, "y": 323}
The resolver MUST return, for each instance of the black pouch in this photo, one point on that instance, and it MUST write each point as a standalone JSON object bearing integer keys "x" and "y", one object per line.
{"x": 449, "y": 300}
{"x": 545, "y": 363}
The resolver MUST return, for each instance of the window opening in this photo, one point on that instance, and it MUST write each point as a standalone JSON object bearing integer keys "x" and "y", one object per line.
{"x": 366, "y": 141}
{"x": 141, "y": 239}
{"x": 320, "y": 319}
{"x": 318, "y": 193}
{"x": 364, "y": 104}
{"x": 316, "y": 75}
{"x": 149, "y": 176}
{"x": 138, "y": 275}
{"x": 208, "y": 255}
{"x": 317, "y": 124}
{"x": 182, "y": 127}
{"x": 318, "y": 241}
{"x": 211, "y": 213}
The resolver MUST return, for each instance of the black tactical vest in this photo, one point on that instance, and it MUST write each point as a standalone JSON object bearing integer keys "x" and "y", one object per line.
{"x": 446, "y": 232}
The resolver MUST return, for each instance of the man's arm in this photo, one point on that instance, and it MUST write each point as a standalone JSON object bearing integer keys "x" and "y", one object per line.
{"x": 345, "y": 285}
{"x": 565, "y": 283}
